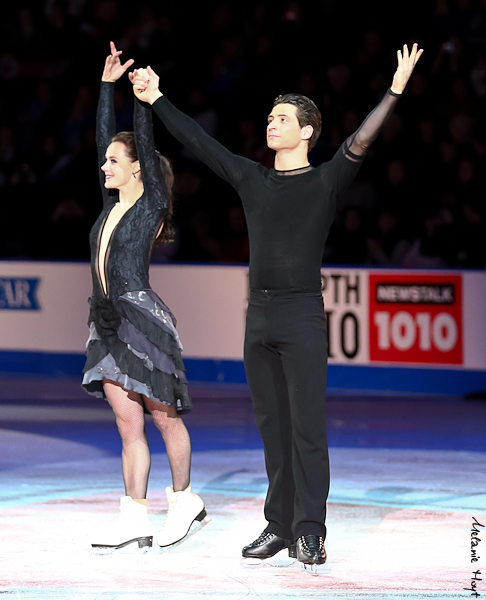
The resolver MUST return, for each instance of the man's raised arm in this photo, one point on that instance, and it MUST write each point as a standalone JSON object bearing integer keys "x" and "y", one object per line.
{"x": 224, "y": 163}
{"x": 360, "y": 141}
{"x": 346, "y": 161}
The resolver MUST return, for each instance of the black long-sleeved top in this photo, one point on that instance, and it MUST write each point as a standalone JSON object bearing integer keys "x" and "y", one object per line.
{"x": 128, "y": 253}
{"x": 288, "y": 213}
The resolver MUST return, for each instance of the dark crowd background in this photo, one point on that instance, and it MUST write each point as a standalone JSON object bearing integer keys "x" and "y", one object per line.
{"x": 418, "y": 200}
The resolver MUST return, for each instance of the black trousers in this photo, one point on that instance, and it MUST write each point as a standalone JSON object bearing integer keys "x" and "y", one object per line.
{"x": 286, "y": 369}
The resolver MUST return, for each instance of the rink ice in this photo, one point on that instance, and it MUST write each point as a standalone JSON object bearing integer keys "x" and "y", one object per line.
{"x": 399, "y": 523}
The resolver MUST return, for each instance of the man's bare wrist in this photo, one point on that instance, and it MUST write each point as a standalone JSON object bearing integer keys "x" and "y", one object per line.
{"x": 155, "y": 96}
{"x": 394, "y": 92}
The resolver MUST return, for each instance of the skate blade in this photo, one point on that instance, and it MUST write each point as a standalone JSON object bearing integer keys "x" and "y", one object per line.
{"x": 281, "y": 560}
{"x": 195, "y": 527}
{"x": 314, "y": 569}
{"x": 136, "y": 546}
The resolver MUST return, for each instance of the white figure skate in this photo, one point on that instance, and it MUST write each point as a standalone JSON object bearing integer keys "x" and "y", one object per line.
{"x": 133, "y": 528}
{"x": 185, "y": 508}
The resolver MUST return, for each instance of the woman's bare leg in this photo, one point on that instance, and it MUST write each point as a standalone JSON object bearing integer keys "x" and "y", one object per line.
{"x": 130, "y": 420}
{"x": 176, "y": 439}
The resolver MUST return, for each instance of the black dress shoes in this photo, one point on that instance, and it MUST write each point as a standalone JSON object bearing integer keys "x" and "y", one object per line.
{"x": 310, "y": 550}
{"x": 265, "y": 546}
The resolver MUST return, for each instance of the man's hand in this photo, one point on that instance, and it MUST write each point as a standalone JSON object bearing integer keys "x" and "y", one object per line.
{"x": 406, "y": 64}
{"x": 145, "y": 84}
{"x": 113, "y": 68}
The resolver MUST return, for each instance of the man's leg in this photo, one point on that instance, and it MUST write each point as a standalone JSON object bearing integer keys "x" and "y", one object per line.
{"x": 301, "y": 325}
{"x": 268, "y": 389}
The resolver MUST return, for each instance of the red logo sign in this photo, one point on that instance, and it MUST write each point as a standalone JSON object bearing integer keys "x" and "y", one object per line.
{"x": 416, "y": 318}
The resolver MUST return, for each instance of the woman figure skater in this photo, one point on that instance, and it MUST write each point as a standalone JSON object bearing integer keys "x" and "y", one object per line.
{"x": 133, "y": 351}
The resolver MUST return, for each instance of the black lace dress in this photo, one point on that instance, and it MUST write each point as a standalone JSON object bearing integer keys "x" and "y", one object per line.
{"x": 133, "y": 339}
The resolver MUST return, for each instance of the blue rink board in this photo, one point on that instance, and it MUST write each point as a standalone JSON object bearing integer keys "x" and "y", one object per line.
{"x": 354, "y": 377}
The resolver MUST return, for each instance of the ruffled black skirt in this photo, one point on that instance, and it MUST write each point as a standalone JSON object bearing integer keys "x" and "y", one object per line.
{"x": 133, "y": 341}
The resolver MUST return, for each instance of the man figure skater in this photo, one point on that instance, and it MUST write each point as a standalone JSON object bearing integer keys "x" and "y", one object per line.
{"x": 289, "y": 210}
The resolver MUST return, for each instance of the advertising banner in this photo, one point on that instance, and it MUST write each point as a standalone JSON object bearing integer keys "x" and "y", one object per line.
{"x": 376, "y": 318}
{"x": 416, "y": 319}
{"x": 345, "y": 294}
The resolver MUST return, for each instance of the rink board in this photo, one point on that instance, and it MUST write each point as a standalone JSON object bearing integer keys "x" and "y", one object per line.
{"x": 388, "y": 329}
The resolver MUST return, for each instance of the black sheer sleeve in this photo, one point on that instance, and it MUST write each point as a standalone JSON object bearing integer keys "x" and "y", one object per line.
{"x": 153, "y": 180}
{"x": 358, "y": 143}
{"x": 224, "y": 163}
{"x": 105, "y": 130}
{"x": 347, "y": 160}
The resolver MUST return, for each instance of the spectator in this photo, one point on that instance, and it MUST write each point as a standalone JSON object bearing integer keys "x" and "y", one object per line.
{"x": 435, "y": 165}
{"x": 386, "y": 244}
{"x": 348, "y": 240}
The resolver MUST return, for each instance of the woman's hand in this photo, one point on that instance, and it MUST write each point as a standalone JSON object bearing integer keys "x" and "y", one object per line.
{"x": 113, "y": 68}
{"x": 145, "y": 84}
{"x": 406, "y": 64}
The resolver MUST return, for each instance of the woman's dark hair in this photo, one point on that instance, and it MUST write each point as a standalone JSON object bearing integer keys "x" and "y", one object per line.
{"x": 307, "y": 114}
{"x": 128, "y": 139}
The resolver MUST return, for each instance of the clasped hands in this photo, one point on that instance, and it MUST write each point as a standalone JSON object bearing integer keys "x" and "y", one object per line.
{"x": 145, "y": 84}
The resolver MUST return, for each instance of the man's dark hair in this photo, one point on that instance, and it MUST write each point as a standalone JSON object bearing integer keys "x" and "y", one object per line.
{"x": 307, "y": 113}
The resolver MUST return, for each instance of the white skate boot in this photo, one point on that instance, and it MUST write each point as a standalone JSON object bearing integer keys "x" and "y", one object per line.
{"x": 133, "y": 527}
{"x": 184, "y": 508}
